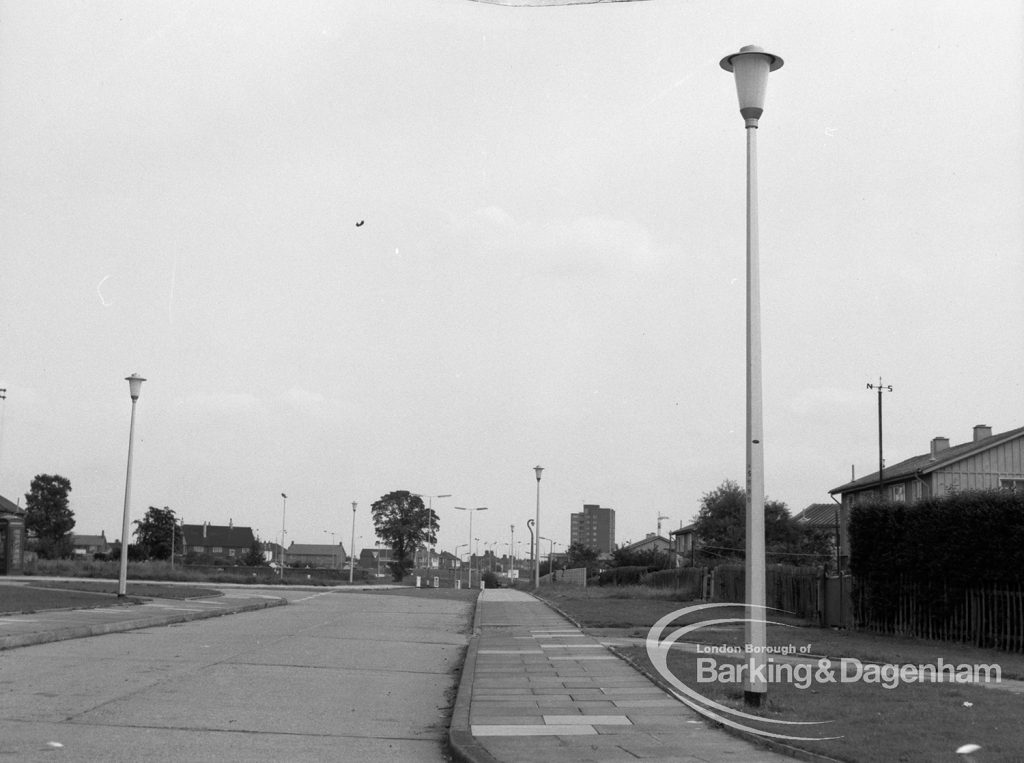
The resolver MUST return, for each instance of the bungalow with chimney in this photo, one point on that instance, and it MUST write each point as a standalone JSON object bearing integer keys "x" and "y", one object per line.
{"x": 316, "y": 555}
{"x": 217, "y": 540}
{"x": 89, "y": 545}
{"x": 988, "y": 461}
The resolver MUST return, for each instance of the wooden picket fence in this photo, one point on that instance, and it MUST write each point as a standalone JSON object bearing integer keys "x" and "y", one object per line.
{"x": 798, "y": 591}
{"x": 990, "y": 617}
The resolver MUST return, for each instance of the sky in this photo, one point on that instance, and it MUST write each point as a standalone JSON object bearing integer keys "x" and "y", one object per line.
{"x": 550, "y": 268}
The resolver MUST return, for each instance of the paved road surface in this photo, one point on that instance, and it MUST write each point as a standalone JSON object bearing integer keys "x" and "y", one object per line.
{"x": 331, "y": 676}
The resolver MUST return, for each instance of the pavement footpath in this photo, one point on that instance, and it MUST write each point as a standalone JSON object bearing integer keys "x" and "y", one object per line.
{"x": 536, "y": 687}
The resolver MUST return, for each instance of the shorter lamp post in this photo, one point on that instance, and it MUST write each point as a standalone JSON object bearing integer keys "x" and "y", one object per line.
{"x": 284, "y": 509}
{"x": 536, "y": 537}
{"x": 134, "y": 386}
{"x": 352, "y": 548}
{"x": 472, "y": 511}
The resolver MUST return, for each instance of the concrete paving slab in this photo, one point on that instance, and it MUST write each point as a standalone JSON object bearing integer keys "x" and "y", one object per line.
{"x": 574, "y": 701}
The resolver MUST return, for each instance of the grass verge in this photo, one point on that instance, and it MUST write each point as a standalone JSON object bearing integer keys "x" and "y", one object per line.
{"x": 26, "y": 598}
{"x": 906, "y": 722}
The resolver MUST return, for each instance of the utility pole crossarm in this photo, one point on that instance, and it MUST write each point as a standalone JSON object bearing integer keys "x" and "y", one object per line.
{"x": 881, "y": 461}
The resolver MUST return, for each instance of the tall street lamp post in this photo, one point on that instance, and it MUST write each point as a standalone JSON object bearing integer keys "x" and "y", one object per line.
{"x": 352, "y": 547}
{"x": 134, "y": 386}
{"x": 536, "y": 534}
{"x": 284, "y": 509}
{"x": 471, "y": 512}
{"x": 750, "y": 67}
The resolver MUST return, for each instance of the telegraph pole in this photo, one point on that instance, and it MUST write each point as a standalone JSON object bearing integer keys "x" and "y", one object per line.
{"x": 881, "y": 461}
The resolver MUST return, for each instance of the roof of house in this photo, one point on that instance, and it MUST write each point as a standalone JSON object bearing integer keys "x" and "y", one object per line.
{"x": 819, "y": 514}
{"x": 9, "y": 507}
{"x": 89, "y": 540}
{"x": 650, "y": 540}
{"x": 218, "y": 535}
{"x": 315, "y": 549}
{"x": 926, "y": 463}
{"x": 692, "y": 527}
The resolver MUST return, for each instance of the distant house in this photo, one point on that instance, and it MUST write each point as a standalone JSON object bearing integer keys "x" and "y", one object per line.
{"x": 87, "y": 545}
{"x": 448, "y": 561}
{"x": 12, "y": 537}
{"x": 217, "y": 540}
{"x": 684, "y": 542}
{"x": 272, "y": 552}
{"x": 987, "y": 461}
{"x": 375, "y": 558}
{"x": 653, "y": 542}
{"x": 824, "y": 517}
{"x": 318, "y": 555}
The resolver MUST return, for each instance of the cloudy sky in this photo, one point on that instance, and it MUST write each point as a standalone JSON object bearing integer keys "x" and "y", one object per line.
{"x": 551, "y": 268}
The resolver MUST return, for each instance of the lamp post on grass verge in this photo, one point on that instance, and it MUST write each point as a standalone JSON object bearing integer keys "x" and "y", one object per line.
{"x": 134, "y": 386}
{"x": 750, "y": 67}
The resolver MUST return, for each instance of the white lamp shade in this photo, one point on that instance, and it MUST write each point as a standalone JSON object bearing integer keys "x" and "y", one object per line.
{"x": 538, "y": 469}
{"x": 134, "y": 385}
{"x": 750, "y": 67}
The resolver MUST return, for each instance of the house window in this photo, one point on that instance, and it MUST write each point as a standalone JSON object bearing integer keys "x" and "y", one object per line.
{"x": 1015, "y": 485}
{"x": 231, "y": 552}
{"x": 217, "y": 549}
{"x": 898, "y": 493}
{"x": 200, "y": 549}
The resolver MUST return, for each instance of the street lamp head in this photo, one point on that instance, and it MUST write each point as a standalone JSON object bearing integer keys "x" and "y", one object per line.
{"x": 538, "y": 469}
{"x": 283, "y": 495}
{"x": 134, "y": 385}
{"x": 750, "y": 67}
{"x": 354, "y": 503}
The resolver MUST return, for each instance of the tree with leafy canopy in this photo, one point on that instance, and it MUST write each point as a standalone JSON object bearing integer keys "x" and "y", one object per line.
{"x": 403, "y": 522}
{"x": 154, "y": 533}
{"x": 580, "y": 555}
{"x": 721, "y": 530}
{"x": 49, "y": 517}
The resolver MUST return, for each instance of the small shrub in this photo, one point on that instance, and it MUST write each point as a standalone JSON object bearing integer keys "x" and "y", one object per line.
{"x": 622, "y": 575}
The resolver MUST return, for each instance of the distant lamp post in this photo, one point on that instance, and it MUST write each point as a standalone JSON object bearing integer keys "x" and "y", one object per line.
{"x": 750, "y": 67}
{"x": 536, "y": 534}
{"x": 284, "y": 509}
{"x": 430, "y": 505}
{"x": 469, "y": 574}
{"x": 352, "y": 547}
{"x": 134, "y": 387}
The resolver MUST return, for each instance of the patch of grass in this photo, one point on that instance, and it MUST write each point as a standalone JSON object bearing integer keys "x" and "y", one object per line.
{"x": 24, "y": 599}
{"x": 148, "y": 590}
{"x": 908, "y": 722}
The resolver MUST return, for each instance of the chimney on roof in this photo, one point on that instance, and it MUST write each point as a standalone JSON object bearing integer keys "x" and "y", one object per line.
{"x": 231, "y": 523}
{"x": 204, "y": 529}
{"x": 981, "y": 431}
{"x": 939, "y": 444}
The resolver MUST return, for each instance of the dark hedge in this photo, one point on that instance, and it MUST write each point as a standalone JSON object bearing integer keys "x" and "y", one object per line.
{"x": 962, "y": 539}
